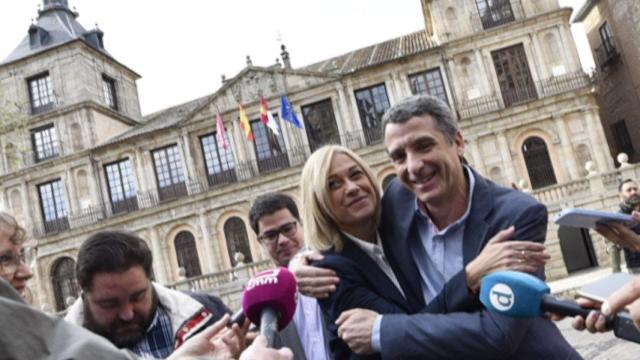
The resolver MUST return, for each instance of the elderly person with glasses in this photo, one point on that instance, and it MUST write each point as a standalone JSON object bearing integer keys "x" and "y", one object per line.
{"x": 15, "y": 258}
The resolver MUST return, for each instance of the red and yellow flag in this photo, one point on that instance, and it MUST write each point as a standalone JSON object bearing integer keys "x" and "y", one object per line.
{"x": 244, "y": 124}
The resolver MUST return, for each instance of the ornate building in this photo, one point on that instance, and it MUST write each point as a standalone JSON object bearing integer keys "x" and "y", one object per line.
{"x": 613, "y": 29}
{"x": 92, "y": 162}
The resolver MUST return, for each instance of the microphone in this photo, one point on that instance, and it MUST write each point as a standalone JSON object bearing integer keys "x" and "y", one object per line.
{"x": 522, "y": 295}
{"x": 269, "y": 301}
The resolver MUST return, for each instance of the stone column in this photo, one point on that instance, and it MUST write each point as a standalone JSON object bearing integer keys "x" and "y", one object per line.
{"x": 505, "y": 153}
{"x": 478, "y": 162}
{"x": 185, "y": 151}
{"x": 343, "y": 108}
{"x": 569, "y": 48}
{"x": 140, "y": 169}
{"x": 599, "y": 143}
{"x": 567, "y": 149}
{"x": 72, "y": 199}
{"x": 160, "y": 267}
{"x": 206, "y": 243}
{"x": 27, "y": 207}
{"x": 394, "y": 92}
{"x": 485, "y": 82}
{"x": 456, "y": 88}
{"x": 540, "y": 58}
{"x": 4, "y": 164}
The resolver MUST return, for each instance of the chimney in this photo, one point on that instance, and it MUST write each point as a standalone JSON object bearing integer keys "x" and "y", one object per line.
{"x": 249, "y": 62}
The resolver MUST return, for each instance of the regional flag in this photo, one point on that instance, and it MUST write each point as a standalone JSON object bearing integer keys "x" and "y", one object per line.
{"x": 288, "y": 114}
{"x": 244, "y": 124}
{"x": 220, "y": 133}
{"x": 267, "y": 118}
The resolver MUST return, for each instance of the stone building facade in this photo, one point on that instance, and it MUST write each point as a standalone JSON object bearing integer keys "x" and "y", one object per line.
{"x": 613, "y": 31}
{"x": 508, "y": 68}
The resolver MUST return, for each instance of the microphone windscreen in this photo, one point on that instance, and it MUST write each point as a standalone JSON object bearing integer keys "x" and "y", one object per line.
{"x": 513, "y": 293}
{"x": 275, "y": 289}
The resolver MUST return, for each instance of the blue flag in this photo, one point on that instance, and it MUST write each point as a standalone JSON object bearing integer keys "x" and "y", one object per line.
{"x": 288, "y": 114}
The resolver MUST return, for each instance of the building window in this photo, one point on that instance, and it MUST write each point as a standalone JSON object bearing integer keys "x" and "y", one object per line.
{"x": 218, "y": 160}
{"x": 428, "y": 83}
{"x": 494, "y": 12}
{"x": 40, "y": 93}
{"x": 187, "y": 254}
{"x": 538, "y": 162}
{"x": 54, "y": 207}
{"x": 169, "y": 174}
{"x": 122, "y": 187}
{"x": 320, "y": 124}
{"x": 237, "y": 240}
{"x": 514, "y": 77}
{"x": 270, "y": 149}
{"x": 44, "y": 142}
{"x": 109, "y": 92}
{"x": 65, "y": 287}
{"x": 622, "y": 138}
{"x": 372, "y": 104}
{"x": 607, "y": 52}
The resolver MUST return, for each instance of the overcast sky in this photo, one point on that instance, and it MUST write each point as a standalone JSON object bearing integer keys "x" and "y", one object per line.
{"x": 182, "y": 47}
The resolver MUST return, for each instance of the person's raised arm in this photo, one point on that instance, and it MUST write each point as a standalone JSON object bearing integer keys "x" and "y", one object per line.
{"x": 313, "y": 281}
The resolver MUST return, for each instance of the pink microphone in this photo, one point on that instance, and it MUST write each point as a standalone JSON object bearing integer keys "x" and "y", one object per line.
{"x": 269, "y": 301}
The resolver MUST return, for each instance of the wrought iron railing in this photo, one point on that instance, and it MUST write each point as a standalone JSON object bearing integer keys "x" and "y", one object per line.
{"x": 173, "y": 191}
{"x": 547, "y": 87}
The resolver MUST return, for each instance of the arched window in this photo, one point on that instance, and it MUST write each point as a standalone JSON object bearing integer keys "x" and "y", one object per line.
{"x": 187, "y": 254}
{"x": 64, "y": 282}
{"x": 538, "y": 162}
{"x": 237, "y": 240}
{"x": 387, "y": 181}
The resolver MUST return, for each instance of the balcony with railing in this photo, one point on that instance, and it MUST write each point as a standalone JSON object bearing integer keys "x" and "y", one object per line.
{"x": 273, "y": 163}
{"x": 221, "y": 178}
{"x": 45, "y": 228}
{"x": 607, "y": 53}
{"x": 173, "y": 191}
{"x": 551, "y": 86}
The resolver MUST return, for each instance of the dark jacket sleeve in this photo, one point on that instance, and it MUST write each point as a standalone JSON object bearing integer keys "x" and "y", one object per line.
{"x": 530, "y": 225}
{"x": 464, "y": 335}
{"x": 353, "y": 290}
{"x": 212, "y": 303}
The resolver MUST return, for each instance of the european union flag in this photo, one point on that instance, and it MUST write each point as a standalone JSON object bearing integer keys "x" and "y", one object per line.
{"x": 287, "y": 113}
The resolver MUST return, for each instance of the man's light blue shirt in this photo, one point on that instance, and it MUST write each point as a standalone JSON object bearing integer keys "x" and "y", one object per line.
{"x": 438, "y": 254}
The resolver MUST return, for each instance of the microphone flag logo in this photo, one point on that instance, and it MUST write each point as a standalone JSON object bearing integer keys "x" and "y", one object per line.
{"x": 501, "y": 297}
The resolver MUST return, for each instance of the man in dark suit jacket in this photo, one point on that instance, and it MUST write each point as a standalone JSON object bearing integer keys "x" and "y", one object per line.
{"x": 442, "y": 223}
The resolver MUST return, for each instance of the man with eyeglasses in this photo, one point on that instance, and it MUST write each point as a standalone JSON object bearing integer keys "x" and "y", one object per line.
{"x": 275, "y": 219}
{"x": 15, "y": 259}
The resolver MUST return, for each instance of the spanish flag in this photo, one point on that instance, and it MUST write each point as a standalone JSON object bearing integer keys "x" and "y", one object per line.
{"x": 244, "y": 124}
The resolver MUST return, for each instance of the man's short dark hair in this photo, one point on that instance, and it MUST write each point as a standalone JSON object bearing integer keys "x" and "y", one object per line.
{"x": 421, "y": 105}
{"x": 111, "y": 251}
{"x": 624, "y": 182}
{"x": 268, "y": 204}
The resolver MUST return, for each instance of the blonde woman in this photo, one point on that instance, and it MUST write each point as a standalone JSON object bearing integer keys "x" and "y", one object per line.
{"x": 341, "y": 212}
{"x": 13, "y": 266}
